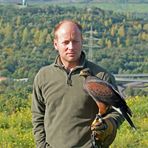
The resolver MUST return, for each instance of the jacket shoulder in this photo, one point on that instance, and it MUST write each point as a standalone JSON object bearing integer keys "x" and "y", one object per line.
{"x": 45, "y": 69}
{"x": 43, "y": 73}
{"x": 95, "y": 69}
{"x": 101, "y": 72}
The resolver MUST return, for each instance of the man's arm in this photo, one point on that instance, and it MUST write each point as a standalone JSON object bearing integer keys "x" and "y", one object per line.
{"x": 38, "y": 111}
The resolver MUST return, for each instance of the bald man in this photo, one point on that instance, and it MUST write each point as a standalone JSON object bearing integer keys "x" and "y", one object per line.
{"x": 62, "y": 113}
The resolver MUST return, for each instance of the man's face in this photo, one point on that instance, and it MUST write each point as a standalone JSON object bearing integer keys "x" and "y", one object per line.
{"x": 68, "y": 43}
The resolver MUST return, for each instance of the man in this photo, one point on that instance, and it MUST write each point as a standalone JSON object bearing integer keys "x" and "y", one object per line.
{"x": 62, "y": 112}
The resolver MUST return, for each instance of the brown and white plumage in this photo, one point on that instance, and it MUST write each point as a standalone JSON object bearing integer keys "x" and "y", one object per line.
{"x": 105, "y": 95}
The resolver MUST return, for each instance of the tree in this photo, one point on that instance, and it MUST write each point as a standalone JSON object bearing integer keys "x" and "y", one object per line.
{"x": 109, "y": 43}
{"x": 37, "y": 37}
{"x": 144, "y": 36}
{"x": 43, "y": 35}
{"x": 25, "y": 36}
{"x": 121, "y": 31}
{"x": 18, "y": 21}
{"x": 112, "y": 31}
{"x": 8, "y": 32}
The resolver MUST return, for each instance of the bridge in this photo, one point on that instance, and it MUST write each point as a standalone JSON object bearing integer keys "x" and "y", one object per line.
{"x": 131, "y": 80}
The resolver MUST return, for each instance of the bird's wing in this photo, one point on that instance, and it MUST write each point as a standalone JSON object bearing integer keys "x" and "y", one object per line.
{"x": 103, "y": 91}
{"x": 99, "y": 91}
{"x": 98, "y": 88}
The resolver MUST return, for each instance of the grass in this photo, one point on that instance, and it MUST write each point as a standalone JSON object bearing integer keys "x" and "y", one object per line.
{"x": 16, "y": 128}
{"x": 118, "y": 7}
{"x": 126, "y": 137}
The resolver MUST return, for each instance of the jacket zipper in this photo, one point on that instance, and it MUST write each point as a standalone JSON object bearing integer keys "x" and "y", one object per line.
{"x": 69, "y": 81}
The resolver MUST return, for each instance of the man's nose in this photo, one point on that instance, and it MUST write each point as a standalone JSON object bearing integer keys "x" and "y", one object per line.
{"x": 70, "y": 45}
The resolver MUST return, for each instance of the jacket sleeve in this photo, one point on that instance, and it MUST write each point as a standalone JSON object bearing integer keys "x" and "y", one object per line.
{"x": 38, "y": 111}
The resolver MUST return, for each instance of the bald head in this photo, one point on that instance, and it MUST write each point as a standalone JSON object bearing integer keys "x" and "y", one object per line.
{"x": 70, "y": 24}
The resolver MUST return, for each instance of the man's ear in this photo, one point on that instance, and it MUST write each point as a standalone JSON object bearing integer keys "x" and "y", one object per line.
{"x": 55, "y": 44}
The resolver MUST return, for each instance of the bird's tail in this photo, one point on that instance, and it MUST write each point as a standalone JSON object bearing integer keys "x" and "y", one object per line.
{"x": 127, "y": 117}
{"x": 128, "y": 110}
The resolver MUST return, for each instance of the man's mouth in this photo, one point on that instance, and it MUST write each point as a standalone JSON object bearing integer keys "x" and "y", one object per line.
{"x": 72, "y": 53}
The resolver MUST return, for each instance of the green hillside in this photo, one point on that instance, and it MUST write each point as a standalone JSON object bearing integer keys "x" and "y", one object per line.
{"x": 26, "y": 38}
{"x": 117, "y": 41}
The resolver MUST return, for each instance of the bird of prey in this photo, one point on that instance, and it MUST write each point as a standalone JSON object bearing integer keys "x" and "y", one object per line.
{"x": 105, "y": 96}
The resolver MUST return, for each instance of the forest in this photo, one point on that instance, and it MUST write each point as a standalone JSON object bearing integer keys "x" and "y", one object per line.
{"x": 26, "y": 39}
{"x": 117, "y": 41}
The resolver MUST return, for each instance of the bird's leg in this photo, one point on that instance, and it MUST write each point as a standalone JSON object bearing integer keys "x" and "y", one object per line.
{"x": 99, "y": 118}
{"x": 98, "y": 121}
{"x": 98, "y": 124}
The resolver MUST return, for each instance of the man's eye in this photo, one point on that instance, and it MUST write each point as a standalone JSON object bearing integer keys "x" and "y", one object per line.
{"x": 75, "y": 41}
{"x": 66, "y": 42}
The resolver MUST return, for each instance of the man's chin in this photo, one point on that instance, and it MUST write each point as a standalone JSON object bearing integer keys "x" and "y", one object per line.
{"x": 73, "y": 59}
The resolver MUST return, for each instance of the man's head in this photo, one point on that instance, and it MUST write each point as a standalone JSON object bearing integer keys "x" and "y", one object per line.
{"x": 66, "y": 21}
{"x": 68, "y": 42}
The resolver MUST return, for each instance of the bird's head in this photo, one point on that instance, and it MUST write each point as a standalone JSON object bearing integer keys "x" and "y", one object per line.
{"x": 85, "y": 72}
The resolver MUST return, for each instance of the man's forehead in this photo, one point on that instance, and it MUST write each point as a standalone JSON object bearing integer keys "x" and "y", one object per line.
{"x": 68, "y": 26}
{"x": 67, "y": 31}
{"x": 70, "y": 36}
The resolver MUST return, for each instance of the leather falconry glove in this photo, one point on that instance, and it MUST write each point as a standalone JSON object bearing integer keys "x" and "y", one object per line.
{"x": 105, "y": 132}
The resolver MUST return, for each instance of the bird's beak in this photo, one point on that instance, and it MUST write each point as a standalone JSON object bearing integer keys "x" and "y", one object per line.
{"x": 81, "y": 73}
{"x": 85, "y": 72}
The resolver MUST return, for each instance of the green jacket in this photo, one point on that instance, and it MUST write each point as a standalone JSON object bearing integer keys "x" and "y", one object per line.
{"x": 61, "y": 111}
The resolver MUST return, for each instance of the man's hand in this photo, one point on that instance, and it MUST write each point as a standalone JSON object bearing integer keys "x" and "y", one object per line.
{"x": 105, "y": 132}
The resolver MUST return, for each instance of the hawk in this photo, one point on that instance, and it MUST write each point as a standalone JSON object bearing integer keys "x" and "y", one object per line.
{"x": 105, "y": 96}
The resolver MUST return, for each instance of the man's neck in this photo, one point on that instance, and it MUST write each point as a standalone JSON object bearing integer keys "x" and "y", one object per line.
{"x": 70, "y": 66}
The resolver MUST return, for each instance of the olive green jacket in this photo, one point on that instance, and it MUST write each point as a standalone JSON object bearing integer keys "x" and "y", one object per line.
{"x": 61, "y": 111}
